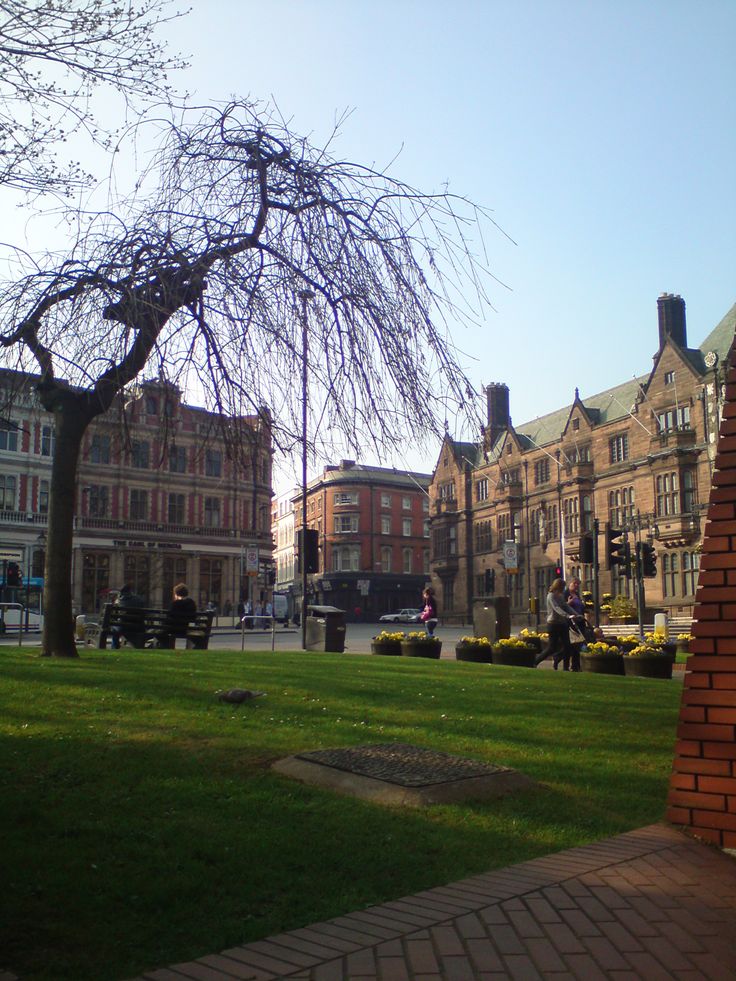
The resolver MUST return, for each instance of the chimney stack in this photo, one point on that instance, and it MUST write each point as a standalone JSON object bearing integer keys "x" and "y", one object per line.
{"x": 497, "y": 395}
{"x": 671, "y": 314}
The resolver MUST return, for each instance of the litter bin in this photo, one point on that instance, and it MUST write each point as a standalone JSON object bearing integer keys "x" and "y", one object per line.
{"x": 492, "y": 617}
{"x": 325, "y": 629}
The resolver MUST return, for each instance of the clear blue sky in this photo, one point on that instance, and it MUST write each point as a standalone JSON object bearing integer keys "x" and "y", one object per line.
{"x": 600, "y": 133}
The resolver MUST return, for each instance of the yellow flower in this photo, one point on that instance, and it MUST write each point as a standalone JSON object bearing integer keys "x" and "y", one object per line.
{"x": 390, "y": 635}
{"x": 476, "y": 641}
{"x": 599, "y": 648}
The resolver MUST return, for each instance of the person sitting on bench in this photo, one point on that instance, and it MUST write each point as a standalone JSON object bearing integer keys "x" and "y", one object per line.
{"x": 131, "y": 625}
{"x": 179, "y": 614}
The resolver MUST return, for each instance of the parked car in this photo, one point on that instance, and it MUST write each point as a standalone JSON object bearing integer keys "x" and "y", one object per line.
{"x": 403, "y": 616}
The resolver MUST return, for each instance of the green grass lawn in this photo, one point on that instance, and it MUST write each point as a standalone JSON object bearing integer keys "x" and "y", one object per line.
{"x": 142, "y": 825}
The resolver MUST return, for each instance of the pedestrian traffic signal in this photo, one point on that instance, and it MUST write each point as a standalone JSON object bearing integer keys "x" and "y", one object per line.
{"x": 587, "y": 549}
{"x": 615, "y": 549}
{"x": 558, "y": 570}
{"x": 490, "y": 582}
{"x": 309, "y": 549}
{"x": 648, "y": 560}
{"x": 13, "y": 577}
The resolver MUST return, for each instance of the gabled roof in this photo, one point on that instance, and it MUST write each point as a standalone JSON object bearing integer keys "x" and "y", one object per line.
{"x": 721, "y": 337}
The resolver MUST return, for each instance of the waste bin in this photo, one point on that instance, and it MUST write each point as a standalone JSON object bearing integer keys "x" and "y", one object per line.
{"x": 492, "y": 617}
{"x": 325, "y": 629}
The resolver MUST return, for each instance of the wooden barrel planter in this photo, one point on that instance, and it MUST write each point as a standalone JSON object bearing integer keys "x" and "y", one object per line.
{"x": 649, "y": 666}
{"x": 603, "y": 663}
{"x": 514, "y": 657}
{"x": 480, "y": 653}
{"x": 390, "y": 647}
{"x": 421, "y": 648}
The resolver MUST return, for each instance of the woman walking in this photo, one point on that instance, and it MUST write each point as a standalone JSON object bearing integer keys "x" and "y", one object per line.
{"x": 428, "y": 615}
{"x": 558, "y": 626}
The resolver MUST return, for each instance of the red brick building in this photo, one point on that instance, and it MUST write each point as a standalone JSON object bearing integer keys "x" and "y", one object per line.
{"x": 373, "y": 526}
{"x": 637, "y": 457}
{"x": 166, "y": 492}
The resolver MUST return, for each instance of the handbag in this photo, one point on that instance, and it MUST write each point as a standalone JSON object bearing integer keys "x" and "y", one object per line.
{"x": 426, "y": 614}
{"x": 576, "y": 637}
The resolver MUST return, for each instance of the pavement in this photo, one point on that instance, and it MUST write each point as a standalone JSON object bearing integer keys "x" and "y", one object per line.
{"x": 652, "y": 904}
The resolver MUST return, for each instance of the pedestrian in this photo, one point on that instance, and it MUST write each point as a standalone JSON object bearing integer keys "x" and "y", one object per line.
{"x": 558, "y": 625}
{"x": 575, "y": 602}
{"x": 428, "y": 616}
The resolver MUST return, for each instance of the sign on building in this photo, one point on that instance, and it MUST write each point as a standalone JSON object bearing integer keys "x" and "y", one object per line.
{"x": 511, "y": 556}
{"x": 251, "y": 560}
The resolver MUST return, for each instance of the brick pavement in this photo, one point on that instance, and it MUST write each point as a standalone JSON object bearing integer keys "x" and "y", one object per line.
{"x": 651, "y": 904}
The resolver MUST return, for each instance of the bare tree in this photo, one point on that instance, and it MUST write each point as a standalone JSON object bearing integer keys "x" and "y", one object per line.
{"x": 201, "y": 282}
{"x": 53, "y": 56}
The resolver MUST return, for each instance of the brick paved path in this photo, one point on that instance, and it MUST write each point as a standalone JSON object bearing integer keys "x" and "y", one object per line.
{"x": 652, "y": 904}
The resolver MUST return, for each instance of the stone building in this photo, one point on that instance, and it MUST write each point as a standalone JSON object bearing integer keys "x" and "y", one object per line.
{"x": 166, "y": 492}
{"x": 637, "y": 457}
{"x": 373, "y": 533}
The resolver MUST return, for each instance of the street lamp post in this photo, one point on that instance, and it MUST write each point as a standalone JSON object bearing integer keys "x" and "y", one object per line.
{"x": 304, "y": 295}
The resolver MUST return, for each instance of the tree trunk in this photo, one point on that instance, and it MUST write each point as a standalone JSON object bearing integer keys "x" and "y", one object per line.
{"x": 58, "y": 625}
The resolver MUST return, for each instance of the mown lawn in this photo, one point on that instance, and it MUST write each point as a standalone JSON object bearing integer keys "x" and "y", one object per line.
{"x": 142, "y": 825}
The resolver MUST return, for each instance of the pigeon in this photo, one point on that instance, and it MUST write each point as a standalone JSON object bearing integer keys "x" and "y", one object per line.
{"x": 238, "y": 695}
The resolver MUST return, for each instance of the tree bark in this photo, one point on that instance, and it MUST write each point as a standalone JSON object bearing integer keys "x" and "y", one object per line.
{"x": 71, "y": 421}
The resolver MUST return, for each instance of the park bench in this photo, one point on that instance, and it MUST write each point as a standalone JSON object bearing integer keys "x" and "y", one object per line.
{"x": 142, "y": 626}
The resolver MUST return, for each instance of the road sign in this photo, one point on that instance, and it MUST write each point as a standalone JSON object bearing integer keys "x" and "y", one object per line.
{"x": 511, "y": 556}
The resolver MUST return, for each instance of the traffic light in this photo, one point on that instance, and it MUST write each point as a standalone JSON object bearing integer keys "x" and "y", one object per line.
{"x": 13, "y": 576}
{"x": 309, "y": 549}
{"x": 648, "y": 560}
{"x": 587, "y": 550}
{"x": 615, "y": 550}
{"x": 626, "y": 568}
{"x": 271, "y": 577}
{"x": 558, "y": 570}
{"x": 490, "y": 582}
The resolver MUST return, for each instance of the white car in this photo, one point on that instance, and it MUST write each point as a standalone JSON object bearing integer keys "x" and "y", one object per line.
{"x": 403, "y": 616}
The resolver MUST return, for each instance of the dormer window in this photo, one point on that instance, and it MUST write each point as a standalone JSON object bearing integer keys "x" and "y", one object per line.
{"x": 669, "y": 378}
{"x": 576, "y": 425}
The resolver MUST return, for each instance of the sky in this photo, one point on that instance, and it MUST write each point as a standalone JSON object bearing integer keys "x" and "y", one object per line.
{"x": 600, "y": 133}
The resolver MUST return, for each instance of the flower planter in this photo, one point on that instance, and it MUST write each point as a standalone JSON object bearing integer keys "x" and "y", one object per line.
{"x": 480, "y": 653}
{"x": 535, "y": 642}
{"x": 602, "y": 663}
{"x": 649, "y": 666}
{"x": 391, "y": 647}
{"x": 421, "y": 648}
{"x": 515, "y": 657}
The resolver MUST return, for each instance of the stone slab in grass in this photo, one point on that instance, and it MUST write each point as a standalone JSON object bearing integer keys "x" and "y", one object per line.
{"x": 398, "y": 773}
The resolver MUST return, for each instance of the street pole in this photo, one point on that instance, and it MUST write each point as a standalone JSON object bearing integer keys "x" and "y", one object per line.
{"x": 305, "y": 296}
{"x": 596, "y": 583}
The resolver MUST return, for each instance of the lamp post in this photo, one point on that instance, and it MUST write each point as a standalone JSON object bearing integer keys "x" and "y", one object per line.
{"x": 304, "y": 295}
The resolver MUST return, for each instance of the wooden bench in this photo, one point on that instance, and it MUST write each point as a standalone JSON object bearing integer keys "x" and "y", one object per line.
{"x": 143, "y": 626}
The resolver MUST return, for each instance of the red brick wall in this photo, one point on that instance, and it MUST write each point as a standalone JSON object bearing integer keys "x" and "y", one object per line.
{"x": 702, "y": 794}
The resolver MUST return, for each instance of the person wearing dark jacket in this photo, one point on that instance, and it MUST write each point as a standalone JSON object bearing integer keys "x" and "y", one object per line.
{"x": 558, "y": 625}
{"x": 179, "y": 614}
{"x": 131, "y": 625}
